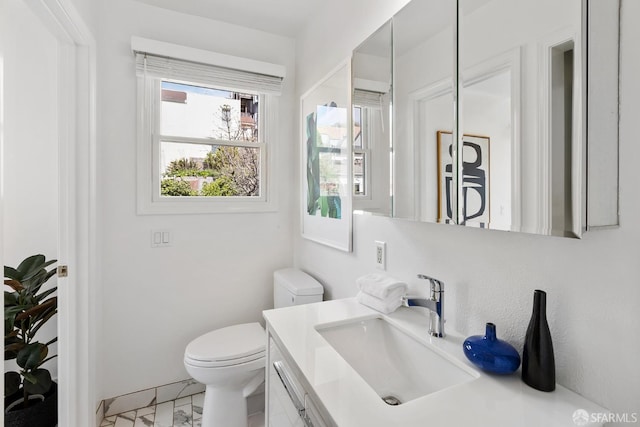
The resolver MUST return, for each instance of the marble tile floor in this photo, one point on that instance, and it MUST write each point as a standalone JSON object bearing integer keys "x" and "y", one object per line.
{"x": 183, "y": 412}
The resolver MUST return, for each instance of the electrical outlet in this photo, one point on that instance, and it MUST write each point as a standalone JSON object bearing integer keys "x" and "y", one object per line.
{"x": 381, "y": 255}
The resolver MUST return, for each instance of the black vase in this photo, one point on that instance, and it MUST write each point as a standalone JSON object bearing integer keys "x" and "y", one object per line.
{"x": 538, "y": 365}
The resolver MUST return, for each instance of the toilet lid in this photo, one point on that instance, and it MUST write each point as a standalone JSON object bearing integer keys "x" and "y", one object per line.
{"x": 230, "y": 343}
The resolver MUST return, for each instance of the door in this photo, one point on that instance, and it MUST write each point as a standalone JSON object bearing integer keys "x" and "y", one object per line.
{"x": 47, "y": 170}
{"x": 29, "y": 58}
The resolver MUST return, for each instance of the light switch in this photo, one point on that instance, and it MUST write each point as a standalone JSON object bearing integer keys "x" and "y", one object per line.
{"x": 160, "y": 238}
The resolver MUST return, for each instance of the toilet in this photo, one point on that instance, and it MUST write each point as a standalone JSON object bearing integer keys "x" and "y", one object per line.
{"x": 230, "y": 361}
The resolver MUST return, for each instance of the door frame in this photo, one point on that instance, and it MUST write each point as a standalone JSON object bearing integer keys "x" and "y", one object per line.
{"x": 77, "y": 400}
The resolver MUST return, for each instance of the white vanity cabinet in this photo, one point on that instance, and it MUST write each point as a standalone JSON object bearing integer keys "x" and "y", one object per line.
{"x": 324, "y": 389}
{"x": 288, "y": 403}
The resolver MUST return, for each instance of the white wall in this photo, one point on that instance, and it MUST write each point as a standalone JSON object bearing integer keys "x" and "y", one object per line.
{"x": 592, "y": 284}
{"x": 88, "y": 11}
{"x": 219, "y": 269}
{"x": 29, "y": 162}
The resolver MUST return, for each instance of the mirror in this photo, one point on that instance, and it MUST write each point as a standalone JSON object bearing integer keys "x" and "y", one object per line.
{"x": 424, "y": 82}
{"x": 489, "y": 115}
{"x": 371, "y": 70}
{"x": 520, "y": 115}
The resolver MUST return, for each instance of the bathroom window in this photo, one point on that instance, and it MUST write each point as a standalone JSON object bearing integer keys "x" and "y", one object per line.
{"x": 209, "y": 142}
{"x": 205, "y": 138}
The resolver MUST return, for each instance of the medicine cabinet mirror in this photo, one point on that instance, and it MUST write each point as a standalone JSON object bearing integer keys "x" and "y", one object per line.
{"x": 490, "y": 118}
{"x": 371, "y": 103}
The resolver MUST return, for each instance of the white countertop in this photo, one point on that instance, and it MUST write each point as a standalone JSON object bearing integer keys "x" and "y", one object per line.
{"x": 490, "y": 400}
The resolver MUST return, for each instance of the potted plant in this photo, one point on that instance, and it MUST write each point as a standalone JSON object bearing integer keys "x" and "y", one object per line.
{"x": 30, "y": 394}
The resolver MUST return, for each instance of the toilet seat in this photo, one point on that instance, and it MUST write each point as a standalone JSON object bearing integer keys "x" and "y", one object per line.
{"x": 230, "y": 346}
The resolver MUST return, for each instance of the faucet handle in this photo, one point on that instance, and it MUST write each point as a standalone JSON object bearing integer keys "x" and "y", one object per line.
{"x": 437, "y": 286}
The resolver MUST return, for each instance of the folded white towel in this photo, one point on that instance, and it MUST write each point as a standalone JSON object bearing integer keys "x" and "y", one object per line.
{"x": 386, "y": 306}
{"x": 379, "y": 285}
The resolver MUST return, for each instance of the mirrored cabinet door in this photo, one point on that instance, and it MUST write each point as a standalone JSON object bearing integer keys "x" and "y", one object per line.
{"x": 475, "y": 113}
{"x": 520, "y": 116}
{"x": 371, "y": 70}
{"x": 424, "y": 84}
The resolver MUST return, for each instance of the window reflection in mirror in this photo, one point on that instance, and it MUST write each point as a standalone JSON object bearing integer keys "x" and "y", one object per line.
{"x": 371, "y": 100}
{"x": 360, "y": 153}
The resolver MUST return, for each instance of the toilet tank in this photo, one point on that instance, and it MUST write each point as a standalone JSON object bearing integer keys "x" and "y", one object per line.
{"x": 295, "y": 287}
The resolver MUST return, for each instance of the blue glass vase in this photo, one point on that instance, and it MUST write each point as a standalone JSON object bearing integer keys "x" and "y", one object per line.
{"x": 491, "y": 354}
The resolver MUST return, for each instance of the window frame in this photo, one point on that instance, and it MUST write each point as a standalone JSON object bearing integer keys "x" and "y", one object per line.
{"x": 149, "y": 199}
{"x": 365, "y": 151}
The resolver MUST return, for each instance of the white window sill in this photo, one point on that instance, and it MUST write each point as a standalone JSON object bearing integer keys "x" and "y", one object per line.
{"x": 205, "y": 206}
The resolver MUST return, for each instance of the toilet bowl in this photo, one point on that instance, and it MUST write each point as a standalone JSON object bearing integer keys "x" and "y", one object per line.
{"x": 230, "y": 361}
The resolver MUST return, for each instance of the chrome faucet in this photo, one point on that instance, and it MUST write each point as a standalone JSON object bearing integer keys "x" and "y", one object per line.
{"x": 435, "y": 304}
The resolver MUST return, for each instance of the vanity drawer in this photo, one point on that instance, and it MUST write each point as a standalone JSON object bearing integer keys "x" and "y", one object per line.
{"x": 288, "y": 402}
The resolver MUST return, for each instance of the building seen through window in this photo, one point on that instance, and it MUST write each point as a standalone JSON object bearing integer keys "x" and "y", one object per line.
{"x": 210, "y": 142}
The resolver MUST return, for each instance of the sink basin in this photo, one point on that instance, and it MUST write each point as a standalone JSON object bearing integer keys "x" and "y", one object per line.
{"x": 396, "y": 366}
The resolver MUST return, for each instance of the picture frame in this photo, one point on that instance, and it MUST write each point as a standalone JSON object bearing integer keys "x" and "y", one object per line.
{"x": 326, "y": 160}
{"x": 476, "y": 189}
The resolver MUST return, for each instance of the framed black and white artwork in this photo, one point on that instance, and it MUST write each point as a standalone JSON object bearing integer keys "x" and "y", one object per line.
{"x": 475, "y": 203}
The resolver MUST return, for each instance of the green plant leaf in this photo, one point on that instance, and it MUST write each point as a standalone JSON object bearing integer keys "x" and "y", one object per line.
{"x": 52, "y": 271}
{"x": 12, "y": 273}
{"x": 34, "y": 262}
{"x": 12, "y": 382}
{"x": 41, "y": 384}
{"x": 29, "y": 377}
{"x": 11, "y": 336}
{"x": 28, "y": 299}
{"x": 10, "y": 355}
{"x": 34, "y": 273}
{"x": 12, "y": 346}
{"x": 26, "y": 310}
{"x": 31, "y": 355}
{"x": 36, "y": 282}
{"x": 38, "y": 308}
{"x": 9, "y": 321}
{"x": 48, "y": 359}
{"x": 33, "y": 283}
{"x": 34, "y": 276}
{"x": 45, "y": 294}
{"x": 15, "y": 310}
{"x": 47, "y": 311}
{"x": 10, "y": 298}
